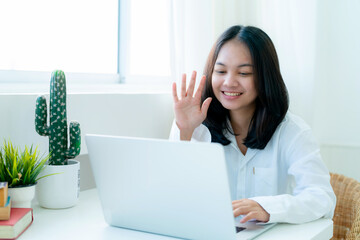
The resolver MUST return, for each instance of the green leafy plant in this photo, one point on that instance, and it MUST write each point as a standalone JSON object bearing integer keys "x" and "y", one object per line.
{"x": 21, "y": 168}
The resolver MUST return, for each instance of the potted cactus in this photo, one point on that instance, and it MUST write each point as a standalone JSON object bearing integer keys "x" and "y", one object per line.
{"x": 60, "y": 190}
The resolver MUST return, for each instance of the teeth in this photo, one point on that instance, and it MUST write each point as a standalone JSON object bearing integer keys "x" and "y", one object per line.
{"x": 232, "y": 94}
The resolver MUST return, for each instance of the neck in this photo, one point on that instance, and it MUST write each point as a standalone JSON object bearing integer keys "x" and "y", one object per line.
{"x": 240, "y": 120}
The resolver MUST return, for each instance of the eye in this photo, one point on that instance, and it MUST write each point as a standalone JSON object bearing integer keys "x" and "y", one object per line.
{"x": 220, "y": 71}
{"x": 245, "y": 73}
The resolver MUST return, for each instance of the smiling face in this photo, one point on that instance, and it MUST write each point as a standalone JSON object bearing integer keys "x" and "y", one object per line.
{"x": 233, "y": 77}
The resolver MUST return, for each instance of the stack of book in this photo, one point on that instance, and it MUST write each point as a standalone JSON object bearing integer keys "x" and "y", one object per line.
{"x": 13, "y": 221}
{"x": 5, "y": 203}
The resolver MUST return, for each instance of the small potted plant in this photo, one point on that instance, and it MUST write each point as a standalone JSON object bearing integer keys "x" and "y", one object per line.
{"x": 62, "y": 190}
{"x": 21, "y": 169}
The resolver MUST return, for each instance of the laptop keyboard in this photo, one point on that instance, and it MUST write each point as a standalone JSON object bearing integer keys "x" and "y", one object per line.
{"x": 239, "y": 229}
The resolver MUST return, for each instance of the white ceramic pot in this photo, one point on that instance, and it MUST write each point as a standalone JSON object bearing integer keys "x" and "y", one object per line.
{"x": 62, "y": 189}
{"x": 21, "y": 197}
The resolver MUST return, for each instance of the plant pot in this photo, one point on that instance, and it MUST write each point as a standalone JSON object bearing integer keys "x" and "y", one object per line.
{"x": 21, "y": 196}
{"x": 62, "y": 189}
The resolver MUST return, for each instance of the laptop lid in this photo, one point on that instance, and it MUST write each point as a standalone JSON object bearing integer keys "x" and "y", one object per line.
{"x": 172, "y": 188}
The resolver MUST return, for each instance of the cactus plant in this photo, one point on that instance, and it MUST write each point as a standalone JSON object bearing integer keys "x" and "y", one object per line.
{"x": 57, "y": 128}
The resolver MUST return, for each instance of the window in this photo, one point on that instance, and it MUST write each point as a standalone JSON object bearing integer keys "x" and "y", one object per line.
{"x": 82, "y": 38}
{"x": 145, "y": 40}
{"x": 77, "y": 36}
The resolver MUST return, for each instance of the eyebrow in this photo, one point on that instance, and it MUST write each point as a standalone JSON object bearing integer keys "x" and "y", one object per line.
{"x": 241, "y": 65}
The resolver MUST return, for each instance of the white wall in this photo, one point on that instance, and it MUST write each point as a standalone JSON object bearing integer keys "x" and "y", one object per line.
{"x": 337, "y": 115}
{"x": 343, "y": 159}
{"x": 338, "y": 86}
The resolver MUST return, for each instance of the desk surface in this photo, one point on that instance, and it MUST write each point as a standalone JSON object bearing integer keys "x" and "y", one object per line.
{"x": 86, "y": 221}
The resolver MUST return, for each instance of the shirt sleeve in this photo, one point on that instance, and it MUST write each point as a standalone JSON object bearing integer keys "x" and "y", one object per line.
{"x": 312, "y": 195}
{"x": 201, "y": 133}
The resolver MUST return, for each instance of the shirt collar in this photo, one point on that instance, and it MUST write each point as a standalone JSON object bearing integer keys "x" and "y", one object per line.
{"x": 250, "y": 153}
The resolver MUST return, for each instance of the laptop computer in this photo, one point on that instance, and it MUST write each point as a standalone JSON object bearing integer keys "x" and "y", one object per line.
{"x": 177, "y": 189}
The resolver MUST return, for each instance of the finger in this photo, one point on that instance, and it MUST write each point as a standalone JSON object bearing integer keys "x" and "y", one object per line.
{"x": 249, "y": 216}
{"x": 240, "y": 211}
{"x": 183, "y": 86}
{"x": 205, "y": 106}
{"x": 236, "y": 214}
{"x": 191, "y": 87}
{"x": 200, "y": 88}
{"x": 249, "y": 208}
{"x": 174, "y": 93}
{"x": 238, "y": 203}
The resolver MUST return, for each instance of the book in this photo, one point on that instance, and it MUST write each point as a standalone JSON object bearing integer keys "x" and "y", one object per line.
{"x": 5, "y": 211}
{"x": 3, "y": 193}
{"x": 20, "y": 220}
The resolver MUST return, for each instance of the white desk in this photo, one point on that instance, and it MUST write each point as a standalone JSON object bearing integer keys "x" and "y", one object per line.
{"x": 85, "y": 221}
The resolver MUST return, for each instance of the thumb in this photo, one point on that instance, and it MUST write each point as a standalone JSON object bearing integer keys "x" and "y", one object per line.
{"x": 205, "y": 106}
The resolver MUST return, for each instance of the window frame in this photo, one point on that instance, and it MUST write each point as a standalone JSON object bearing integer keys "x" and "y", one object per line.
{"x": 26, "y": 77}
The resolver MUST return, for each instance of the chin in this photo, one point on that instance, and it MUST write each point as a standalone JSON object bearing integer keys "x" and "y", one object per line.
{"x": 235, "y": 106}
{"x": 230, "y": 107}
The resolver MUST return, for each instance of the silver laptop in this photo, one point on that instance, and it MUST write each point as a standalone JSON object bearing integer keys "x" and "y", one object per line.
{"x": 177, "y": 189}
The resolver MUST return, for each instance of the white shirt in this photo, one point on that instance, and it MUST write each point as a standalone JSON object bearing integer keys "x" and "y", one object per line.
{"x": 287, "y": 178}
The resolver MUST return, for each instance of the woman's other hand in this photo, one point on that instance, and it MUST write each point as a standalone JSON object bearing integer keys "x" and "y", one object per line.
{"x": 188, "y": 112}
{"x": 251, "y": 210}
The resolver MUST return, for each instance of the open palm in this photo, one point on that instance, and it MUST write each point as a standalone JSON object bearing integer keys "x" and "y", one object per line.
{"x": 189, "y": 113}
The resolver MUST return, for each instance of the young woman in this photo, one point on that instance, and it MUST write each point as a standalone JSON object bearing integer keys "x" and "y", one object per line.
{"x": 275, "y": 170}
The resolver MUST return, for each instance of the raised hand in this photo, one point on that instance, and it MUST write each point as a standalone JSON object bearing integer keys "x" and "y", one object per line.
{"x": 188, "y": 112}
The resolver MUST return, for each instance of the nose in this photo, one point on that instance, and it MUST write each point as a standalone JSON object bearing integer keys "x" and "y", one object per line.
{"x": 230, "y": 80}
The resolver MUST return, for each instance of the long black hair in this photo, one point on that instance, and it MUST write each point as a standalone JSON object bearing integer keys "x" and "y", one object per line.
{"x": 272, "y": 101}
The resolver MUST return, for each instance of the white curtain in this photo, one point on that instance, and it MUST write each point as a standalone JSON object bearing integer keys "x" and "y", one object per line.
{"x": 292, "y": 27}
{"x": 192, "y": 35}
